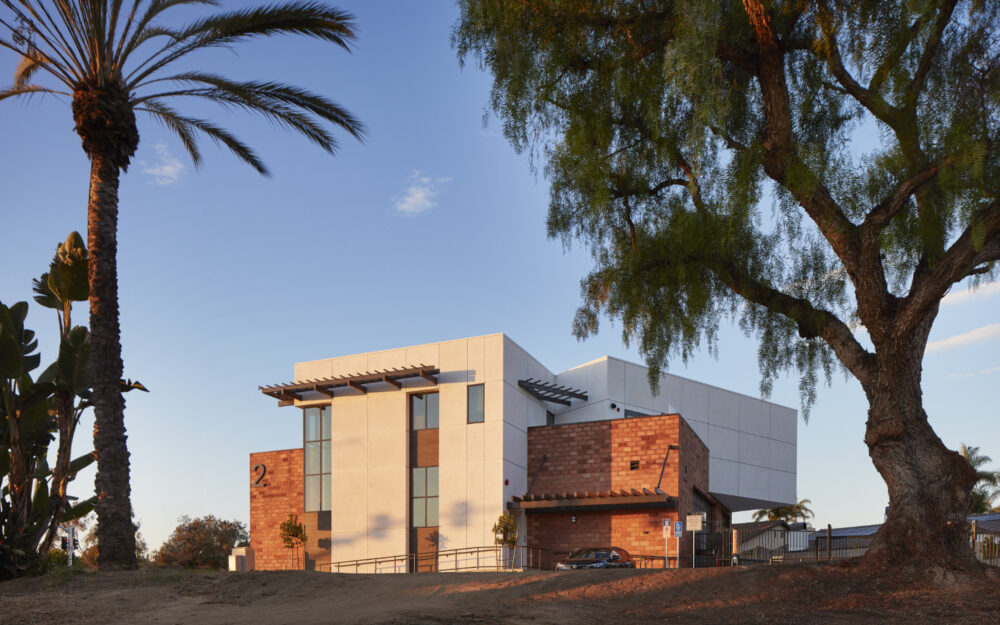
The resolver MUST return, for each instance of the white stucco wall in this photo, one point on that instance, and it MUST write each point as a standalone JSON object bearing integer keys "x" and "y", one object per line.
{"x": 370, "y": 465}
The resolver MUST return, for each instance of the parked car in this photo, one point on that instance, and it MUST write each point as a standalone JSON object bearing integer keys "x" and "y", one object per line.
{"x": 597, "y": 558}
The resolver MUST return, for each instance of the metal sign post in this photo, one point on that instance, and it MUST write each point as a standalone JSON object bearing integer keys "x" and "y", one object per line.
{"x": 666, "y": 543}
{"x": 694, "y": 522}
{"x": 678, "y": 531}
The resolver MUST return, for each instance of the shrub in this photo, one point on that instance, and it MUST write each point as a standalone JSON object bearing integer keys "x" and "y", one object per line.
{"x": 203, "y": 543}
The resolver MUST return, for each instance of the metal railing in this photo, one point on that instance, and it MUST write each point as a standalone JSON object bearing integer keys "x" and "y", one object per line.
{"x": 488, "y": 558}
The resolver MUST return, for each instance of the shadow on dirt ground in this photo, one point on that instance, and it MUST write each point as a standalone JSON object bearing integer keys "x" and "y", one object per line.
{"x": 800, "y": 594}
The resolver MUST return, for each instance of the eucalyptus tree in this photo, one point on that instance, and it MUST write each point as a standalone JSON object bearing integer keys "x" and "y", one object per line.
{"x": 666, "y": 126}
{"x": 112, "y": 59}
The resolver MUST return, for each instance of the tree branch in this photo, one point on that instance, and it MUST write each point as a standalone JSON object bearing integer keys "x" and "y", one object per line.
{"x": 882, "y": 214}
{"x": 924, "y": 66}
{"x": 779, "y": 147}
{"x": 958, "y": 262}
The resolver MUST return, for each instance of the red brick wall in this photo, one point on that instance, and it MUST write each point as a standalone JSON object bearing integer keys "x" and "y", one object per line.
{"x": 578, "y": 457}
{"x": 278, "y": 495}
{"x": 597, "y": 456}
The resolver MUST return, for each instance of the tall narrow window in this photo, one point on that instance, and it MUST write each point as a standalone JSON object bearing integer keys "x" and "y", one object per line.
{"x": 424, "y": 485}
{"x": 316, "y": 429}
{"x": 477, "y": 403}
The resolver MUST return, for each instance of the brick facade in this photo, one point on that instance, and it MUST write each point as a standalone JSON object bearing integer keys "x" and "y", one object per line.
{"x": 278, "y": 495}
{"x": 614, "y": 455}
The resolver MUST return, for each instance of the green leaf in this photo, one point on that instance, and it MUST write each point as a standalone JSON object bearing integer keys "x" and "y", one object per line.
{"x": 81, "y": 509}
{"x": 74, "y": 368}
{"x": 78, "y": 464}
{"x": 68, "y": 280}
{"x": 43, "y": 294}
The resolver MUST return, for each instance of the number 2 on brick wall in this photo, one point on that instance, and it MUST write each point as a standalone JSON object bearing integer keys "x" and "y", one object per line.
{"x": 261, "y": 471}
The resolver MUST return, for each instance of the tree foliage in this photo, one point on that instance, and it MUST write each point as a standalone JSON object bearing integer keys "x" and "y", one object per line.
{"x": 986, "y": 490}
{"x": 293, "y": 535}
{"x": 202, "y": 543}
{"x": 113, "y": 59}
{"x": 719, "y": 159}
{"x": 37, "y": 411}
{"x": 790, "y": 513}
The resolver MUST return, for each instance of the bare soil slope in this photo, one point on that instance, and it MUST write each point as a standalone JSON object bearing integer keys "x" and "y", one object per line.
{"x": 800, "y": 594}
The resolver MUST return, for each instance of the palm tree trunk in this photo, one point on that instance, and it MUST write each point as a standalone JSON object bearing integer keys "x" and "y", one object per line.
{"x": 115, "y": 531}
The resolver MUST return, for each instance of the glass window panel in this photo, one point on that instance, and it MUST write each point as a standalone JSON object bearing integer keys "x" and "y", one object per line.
{"x": 476, "y": 403}
{"x": 312, "y": 424}
{"x": 326, "y": 424}
{"x": 432, "y": 511}
{"x": 326, "y": 491}
{"x": 417, "y": 410}
{"x": 419, "y": 483}
{"x": 419, "y": 512}
{"x": 312, "y": 458}
{"x": 312, "y": 493}
{"x": 432, "y": 481}
{"x": 327, "y": 461}
{"x": 432, "y": 411}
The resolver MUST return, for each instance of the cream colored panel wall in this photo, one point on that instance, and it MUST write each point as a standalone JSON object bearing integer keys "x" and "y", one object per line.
{"x": 477, "y": 360}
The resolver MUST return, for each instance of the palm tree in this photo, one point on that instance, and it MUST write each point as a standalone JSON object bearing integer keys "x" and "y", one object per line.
{"x": 985, "y": 490}
{"x": 789, "y": 513}
{"x": 112, "y": 59}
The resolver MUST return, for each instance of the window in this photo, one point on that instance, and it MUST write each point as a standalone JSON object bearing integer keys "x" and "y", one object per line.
{"x": 631, "y": 414}
{"x": 550, "y": 419}
{"x": 316, "y": 429}
{"x": 424, "y": 411}
{"x": 477, "y": 401}
{"x": 633, "y": 465}
{"x": 424, "y": 496}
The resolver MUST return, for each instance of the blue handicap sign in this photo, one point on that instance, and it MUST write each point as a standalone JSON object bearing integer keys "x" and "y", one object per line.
{"x": 678, "y": 528}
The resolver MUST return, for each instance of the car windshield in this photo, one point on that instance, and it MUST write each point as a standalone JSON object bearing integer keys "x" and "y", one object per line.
{"x": 589, "y": 554}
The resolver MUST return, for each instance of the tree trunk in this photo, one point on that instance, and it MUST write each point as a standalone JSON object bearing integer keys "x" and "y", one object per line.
{"x": 115, "y": 531}
{"x": 929, "y": 485}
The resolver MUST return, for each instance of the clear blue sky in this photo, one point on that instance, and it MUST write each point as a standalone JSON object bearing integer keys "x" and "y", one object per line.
{"x": 432, "y": 230}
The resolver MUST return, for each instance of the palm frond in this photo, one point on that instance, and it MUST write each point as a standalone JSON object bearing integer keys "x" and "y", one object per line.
{"x": 29, "y": 90}
{"x": 285, "y": 105}
{"x": 27, "y": 68}
{"x": 219, "y": 135}
{"x": 302, "y": 18}
{"x": 278, "y": 92}
{"x": 134, "y": 36}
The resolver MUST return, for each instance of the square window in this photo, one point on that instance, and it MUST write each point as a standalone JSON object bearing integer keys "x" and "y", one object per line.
{"x": 432, "y": 411}
{"x": 312, "y": 493}
{"x": 477, "y": 400}
{"x": 312, "y": 424}
{"x": 325, "y": 492}
{"x": 633, "y": 466}
{"x": 325, "y": 422}
{"x": 419, "y": 486}
{"x": 418, "y": 412}
{"x": 432, "y": 512}
{"x": 432, "y": 481}
{"x": 419, "y": 512}
{"x": 312, "y": 458}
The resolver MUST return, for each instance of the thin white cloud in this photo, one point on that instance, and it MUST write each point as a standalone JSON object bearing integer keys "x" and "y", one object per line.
{"x": 978, "y": 335}
{"x": 419, "y": 195}
{"x": 973, "y": 374}
{"x": 167, "y": 170}
{"x": 981, "y": 292}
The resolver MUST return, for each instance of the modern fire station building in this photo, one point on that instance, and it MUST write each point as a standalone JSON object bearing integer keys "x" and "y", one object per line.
{"x": 418, "y": 450}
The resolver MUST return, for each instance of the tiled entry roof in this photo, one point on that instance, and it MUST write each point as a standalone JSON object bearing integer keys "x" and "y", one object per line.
{"x": 600, "y": 500}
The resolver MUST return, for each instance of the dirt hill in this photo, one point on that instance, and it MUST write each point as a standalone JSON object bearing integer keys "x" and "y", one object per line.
{"x": 799, "y": 594}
